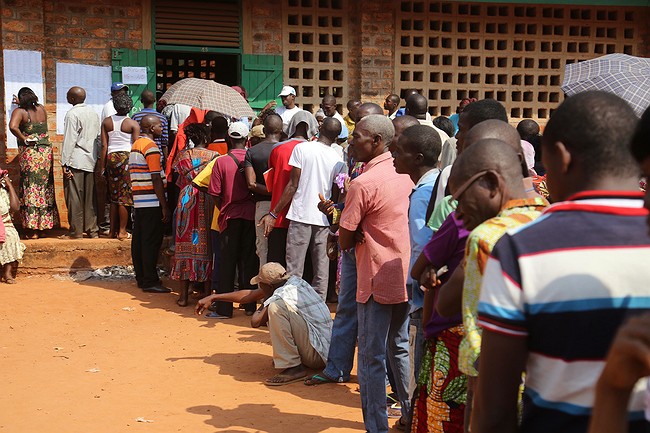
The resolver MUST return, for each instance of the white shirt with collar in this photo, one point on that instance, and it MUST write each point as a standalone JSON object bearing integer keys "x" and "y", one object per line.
{"x": 80, "y": 131}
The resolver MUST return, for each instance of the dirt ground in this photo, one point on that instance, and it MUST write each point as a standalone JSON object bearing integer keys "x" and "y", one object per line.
{"x": 97, "y": 356}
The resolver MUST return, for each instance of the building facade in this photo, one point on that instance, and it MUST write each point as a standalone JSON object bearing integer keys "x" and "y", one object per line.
{"x": 514, "y": 52}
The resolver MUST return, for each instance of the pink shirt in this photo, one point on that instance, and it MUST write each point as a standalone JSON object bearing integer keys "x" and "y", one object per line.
{"x": 378, "y": 202}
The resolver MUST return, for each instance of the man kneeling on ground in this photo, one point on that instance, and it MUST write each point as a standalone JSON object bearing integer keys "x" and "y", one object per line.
{"x": 299, "y": 321}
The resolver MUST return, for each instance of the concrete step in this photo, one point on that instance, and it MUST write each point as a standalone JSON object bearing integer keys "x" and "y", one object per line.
{"x": 53, "y": 255}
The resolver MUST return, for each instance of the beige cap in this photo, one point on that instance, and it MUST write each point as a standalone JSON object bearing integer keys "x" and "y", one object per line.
{"x": 271, "y": 273}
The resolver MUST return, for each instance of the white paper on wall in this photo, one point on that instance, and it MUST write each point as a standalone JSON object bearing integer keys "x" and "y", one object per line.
{"x": 21, "y": 69}
{"x": 96, "y": 81}
{"x": 134, "y": 74}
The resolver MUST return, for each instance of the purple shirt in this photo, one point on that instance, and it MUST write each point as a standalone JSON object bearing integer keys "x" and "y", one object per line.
{"x": 446, "y": 247}
{"x": 228, "y": 183}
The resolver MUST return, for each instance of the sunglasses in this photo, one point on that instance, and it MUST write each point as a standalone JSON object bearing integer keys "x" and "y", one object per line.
{"x": 465, "y": 186}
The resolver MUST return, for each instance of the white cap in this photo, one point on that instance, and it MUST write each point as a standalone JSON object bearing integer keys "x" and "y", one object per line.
{"x": 238, "y": 130}
{"x": 287, "y": 90}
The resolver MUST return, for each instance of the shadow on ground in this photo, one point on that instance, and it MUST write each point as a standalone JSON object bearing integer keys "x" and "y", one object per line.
{"x": 256, "y": 367}
{"x": 275, "y": 421}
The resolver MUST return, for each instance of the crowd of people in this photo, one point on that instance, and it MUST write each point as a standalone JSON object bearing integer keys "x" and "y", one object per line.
{"x": 484, "y": 271}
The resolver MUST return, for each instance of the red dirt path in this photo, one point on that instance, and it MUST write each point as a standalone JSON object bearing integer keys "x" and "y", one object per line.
{"x": 155, "y": 360}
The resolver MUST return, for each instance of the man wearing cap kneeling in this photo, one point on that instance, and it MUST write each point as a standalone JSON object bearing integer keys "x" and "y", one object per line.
{"x": 299, "y": 321}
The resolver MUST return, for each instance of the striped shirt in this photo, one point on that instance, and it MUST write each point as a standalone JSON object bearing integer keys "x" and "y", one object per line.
{"x": 479, "y": 245}
{"x": 565, "y": 283}
{"x": 161, "y": 141}
{"x": 144, "y": 160}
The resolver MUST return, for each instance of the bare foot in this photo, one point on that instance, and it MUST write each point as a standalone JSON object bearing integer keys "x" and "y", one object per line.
{"x": 182, "y": 302}
{"x": 288, "y": 375}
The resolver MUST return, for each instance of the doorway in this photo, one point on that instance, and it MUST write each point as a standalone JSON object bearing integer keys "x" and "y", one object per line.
{"x": 172, "y": 66}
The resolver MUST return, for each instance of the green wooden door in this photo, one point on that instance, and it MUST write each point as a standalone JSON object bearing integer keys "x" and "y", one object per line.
{"x": 262, "y": 78}
{"x": 125, "y": 57}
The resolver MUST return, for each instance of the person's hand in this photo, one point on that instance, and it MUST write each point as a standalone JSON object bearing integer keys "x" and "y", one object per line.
{"x": 332, "y": 247}
{"x": 629, "y": 356}
{"x": 203, "y": 304}
{"x": 67, "y": 173}
{"x": 268, "y": 222}
{"x": 325, "y": 206}
{"x": 429, "y": 280}
{"x": 270, "y": 105}
{"x": 14, "y": 100}
{"x": 359, "y": 237}
{"x": 166, "y": 214}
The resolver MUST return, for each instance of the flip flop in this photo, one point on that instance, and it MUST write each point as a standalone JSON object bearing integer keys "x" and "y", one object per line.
{"x": 318, "y": 379}
{"x": 10, "y": 281}
{"x": 295, "y": 379}
{"x": 127, "y": 237}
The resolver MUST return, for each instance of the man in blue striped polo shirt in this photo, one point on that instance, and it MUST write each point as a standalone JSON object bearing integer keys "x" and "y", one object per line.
{"x": 556, "y": 290}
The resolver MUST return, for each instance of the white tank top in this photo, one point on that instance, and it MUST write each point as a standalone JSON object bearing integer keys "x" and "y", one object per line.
{"x": 118, "y": 141}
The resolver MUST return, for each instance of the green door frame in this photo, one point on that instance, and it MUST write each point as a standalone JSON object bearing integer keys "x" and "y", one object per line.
{"x": 198, "y": 49}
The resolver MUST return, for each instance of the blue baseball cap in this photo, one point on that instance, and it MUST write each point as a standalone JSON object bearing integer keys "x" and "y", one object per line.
{"x": 118, "y": 86}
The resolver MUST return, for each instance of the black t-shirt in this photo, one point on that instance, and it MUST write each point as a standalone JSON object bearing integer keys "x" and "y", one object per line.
{"x": 258, "y": 158}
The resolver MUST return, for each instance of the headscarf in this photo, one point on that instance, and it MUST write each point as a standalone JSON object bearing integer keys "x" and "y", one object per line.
{"x": 299, "y": 117}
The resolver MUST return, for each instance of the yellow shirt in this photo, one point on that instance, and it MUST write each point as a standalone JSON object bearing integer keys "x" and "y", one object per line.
{"x": 203, "y": 180}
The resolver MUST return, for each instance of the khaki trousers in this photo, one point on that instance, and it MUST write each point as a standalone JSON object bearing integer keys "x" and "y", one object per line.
{"x": 290, "y": 338}
{"x": 261, "y": 242}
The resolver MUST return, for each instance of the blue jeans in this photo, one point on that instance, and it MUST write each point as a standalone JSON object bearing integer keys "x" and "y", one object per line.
{"x": 383, "y": 333}
{"x": 344, "y": 330}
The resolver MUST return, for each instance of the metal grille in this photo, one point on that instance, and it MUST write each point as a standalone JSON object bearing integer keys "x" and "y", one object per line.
{"x": 206, "y": 24}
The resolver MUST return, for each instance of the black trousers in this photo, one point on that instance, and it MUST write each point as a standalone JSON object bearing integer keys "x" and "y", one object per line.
{"x": 148, "y": 230}
{"x": 278, "y": 246}
{"x": 237, "y": 244}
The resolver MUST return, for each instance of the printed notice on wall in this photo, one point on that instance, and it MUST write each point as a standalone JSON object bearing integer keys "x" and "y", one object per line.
{"x": 96, "y": 80}
{"x": 21, "y": 69}
{"x": 134, "y": 74}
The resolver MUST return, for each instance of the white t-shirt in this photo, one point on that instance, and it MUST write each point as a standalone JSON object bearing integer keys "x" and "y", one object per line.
{"x": 319, "y": 164}
{"x": 286, "y": 114}
{"x": 179, "y": 114}
{"x": 108, "y": 110}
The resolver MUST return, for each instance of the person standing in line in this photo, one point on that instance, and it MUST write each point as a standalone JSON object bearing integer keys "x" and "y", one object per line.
{"x": 192, "y": 259}
{"x": 236, "y": 219}
{"x": 328, "y": 104}
{"x": 303, "y": 126}
{"x": 391, "y": 105}
{"x": 416, "y": 154}
{"x": 78, "y": 158}
{"x": 416, "y": 106}
{"x": 376, "y": 212}
{"x": 109, "y": 108}
{"x": 150, "y": 213}
{"x": 351, "y": 118}
{"x": 314, "y": 167}
{"x": 148, "y": 99}
{"x": 256, "y": 164}
{"x": 581, "y": 269}
{"x": 118, "y": 135}
{"x": 28, "y": 123}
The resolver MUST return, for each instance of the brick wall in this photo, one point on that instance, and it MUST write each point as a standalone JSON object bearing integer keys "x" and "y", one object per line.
{"x": 69, "y": 31}
{"x": 266, "y": 27}
{"x": 377, "y": 30}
